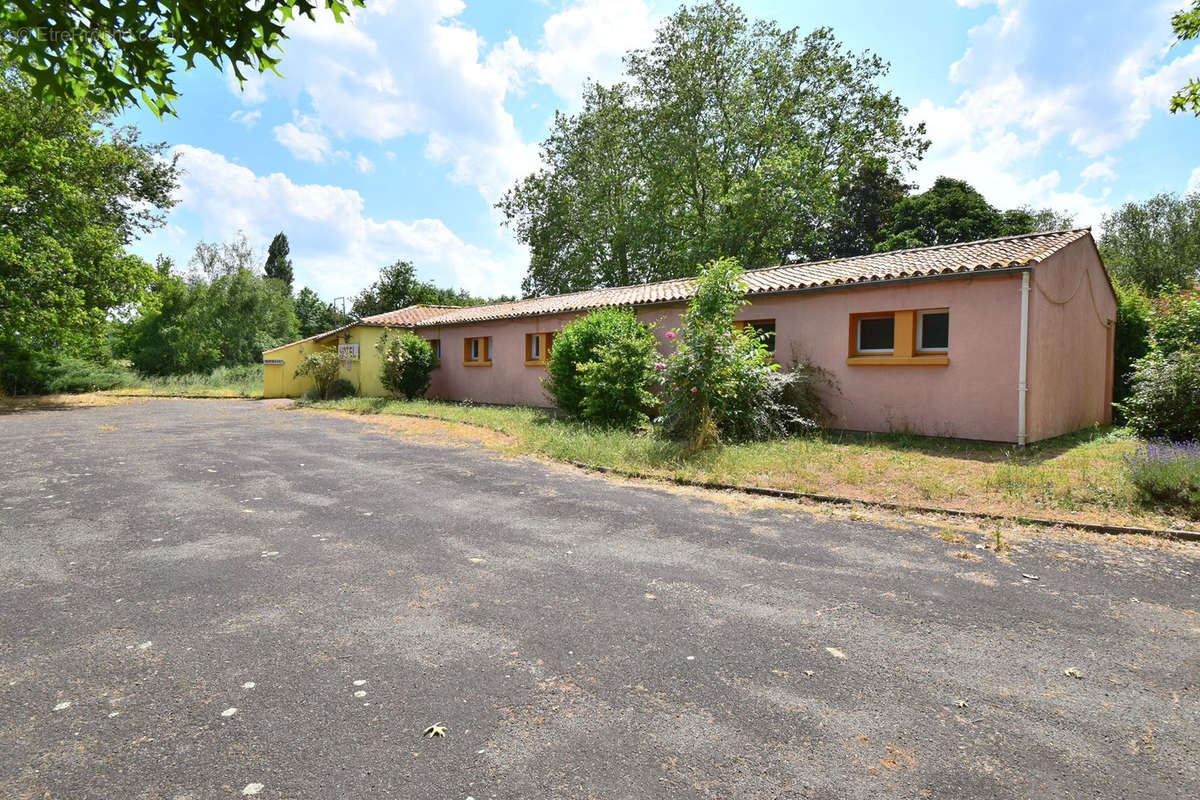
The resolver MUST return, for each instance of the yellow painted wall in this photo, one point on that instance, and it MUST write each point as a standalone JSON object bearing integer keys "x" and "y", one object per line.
{"x": 279, "y": 379}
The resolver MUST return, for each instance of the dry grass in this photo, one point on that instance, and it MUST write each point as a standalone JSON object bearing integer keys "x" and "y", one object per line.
{"x": 1076, "y": 478}
{"x": 10, "y": 405}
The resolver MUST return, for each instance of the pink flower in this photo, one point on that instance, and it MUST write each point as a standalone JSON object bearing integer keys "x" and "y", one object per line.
{"x": 694, "y": 390}
{"x": 659, "y": 365}
{"x": 670, "y": 334}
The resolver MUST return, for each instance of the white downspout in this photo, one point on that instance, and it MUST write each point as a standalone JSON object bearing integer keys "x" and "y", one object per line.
{"x": 1023, "y": 360}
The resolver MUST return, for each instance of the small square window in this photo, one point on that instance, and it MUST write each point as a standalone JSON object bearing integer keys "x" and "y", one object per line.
{"x": 765, "y": 328}
{"x": 477, "y": 351}
{"x": 537, "y": 348}
{"x": 436, "y": 344}
{"x": 933, "y": 331}
{"x": 877, "y": 334}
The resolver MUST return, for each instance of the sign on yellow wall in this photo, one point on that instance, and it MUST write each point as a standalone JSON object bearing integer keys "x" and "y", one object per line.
{"x": 348, "y": 352}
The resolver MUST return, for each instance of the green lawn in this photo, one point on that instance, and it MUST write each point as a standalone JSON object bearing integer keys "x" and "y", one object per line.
{"x": 1080, "y": 477}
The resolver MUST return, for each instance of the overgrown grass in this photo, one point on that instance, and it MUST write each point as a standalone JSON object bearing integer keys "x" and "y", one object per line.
{"x": 1168, "y": 474}
{"x": 76, "y": 376}
{"x": 1080, "y": 477}
{"x": 242, "y": 381}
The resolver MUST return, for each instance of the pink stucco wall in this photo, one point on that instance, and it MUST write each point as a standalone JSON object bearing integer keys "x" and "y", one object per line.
{"x": 972, "y": 397}
{"x": 1070, "y": 345}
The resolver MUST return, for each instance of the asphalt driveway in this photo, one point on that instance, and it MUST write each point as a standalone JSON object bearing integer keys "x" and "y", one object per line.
{"x": 207, "y": 599}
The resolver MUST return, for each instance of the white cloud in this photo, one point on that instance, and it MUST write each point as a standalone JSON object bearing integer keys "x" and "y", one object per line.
{"x": 363, "y": 164}
{"x": 304, "y": 139}
{"x": 587, "y": 40}
{"x": 1193, "y": 184}
{"x": 1101, "y": 170}
{"x": 246, "y": 118}
{"x": 336, "y": 246}
{"x": 407, "y": 69}
{"x": 1041, "y": 78}
{"x": 412, "y": 68}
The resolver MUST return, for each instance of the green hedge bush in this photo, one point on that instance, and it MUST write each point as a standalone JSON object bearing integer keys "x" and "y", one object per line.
{"x": 721, "y": 382}
{"x": 601, "y": 367}
{"x": 406, "y": 363}
{"x": 1164, "y": 396}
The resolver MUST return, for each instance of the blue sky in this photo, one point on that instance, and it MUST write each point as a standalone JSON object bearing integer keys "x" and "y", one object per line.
{"x": 393, "y": 136}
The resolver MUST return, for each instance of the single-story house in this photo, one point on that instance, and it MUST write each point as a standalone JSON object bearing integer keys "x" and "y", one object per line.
{"x": 1005, "y": 339}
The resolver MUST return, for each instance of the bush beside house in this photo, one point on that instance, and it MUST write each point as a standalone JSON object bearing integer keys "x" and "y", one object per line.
{"x": 323, "y": 367}
{"x": 406, "y": 363}
{"x": 601, "y": 367}
{"x": 721, "y": 382}
{"x": 1164, "y": 398}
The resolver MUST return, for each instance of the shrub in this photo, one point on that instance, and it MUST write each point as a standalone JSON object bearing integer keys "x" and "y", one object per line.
{"x": 601, "y": 367}
{"x": 1168, "y": 474}
{"x": 406, "y": 362}
{"x": 342, "y": 387}
{"x": 74, "y": 375}
{"x": 324, "y": 367}
{"x": 1131, "y": 340}
{"x": 721, "y": 383}
{"x": 1165, "y": 401}
{"x": 616, "y": 381}
{"x": 1175, "y": 322}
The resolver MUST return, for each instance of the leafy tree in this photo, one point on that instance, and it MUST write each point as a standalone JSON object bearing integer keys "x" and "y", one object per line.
{"x": 117, "y": 52}
{"x": 1132, "y": 337}
{"x": 1154, "y": 243}
{"x": 865, "y": 207}
{"x": 727, "y": 137}
{"x": 278, "y": 265}
{"x": 323, "y": 367}
{"x": 1028, "y": 220}
{"x": 601, "y": 366}
{"x": 75, "y": 190}
{"x": 406, "y": 363}
{"x": 953, "y": 211}
{"x": 223, "y": 314}
{"x": 398, "y": 286}
{"x": 314, "y": 314}
{"x": 1186, "y": 24}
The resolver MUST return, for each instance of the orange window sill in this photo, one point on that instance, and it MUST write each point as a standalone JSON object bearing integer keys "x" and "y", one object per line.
{"x": 896, "y": 361}
{"x": 477, "y": 363}
{"x": 534, "y": 363}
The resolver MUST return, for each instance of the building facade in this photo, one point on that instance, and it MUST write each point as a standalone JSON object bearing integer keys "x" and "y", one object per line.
{"x": 1003, "y": 340}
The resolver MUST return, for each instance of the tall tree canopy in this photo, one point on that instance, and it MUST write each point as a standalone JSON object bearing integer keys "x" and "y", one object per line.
{"x": 1154, "y": 243}
{"x": 727, "y": 138}
{"x": 315, "y": 315}
{"x": 224, "y": 313}
{"x": 118, "y": 52}
{"x": 398, "y": 286}
{"x": 278, "y": 265}
{"x": 74, "y": 191}
{"x": 953, "y": 211}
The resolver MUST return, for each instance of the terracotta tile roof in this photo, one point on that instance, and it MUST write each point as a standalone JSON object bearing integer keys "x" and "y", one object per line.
{"x": 410, "y": 315}
{"x": 945, "y": 260}
{"x": 406, "y": 317}
{"x": 980, "y": 256}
